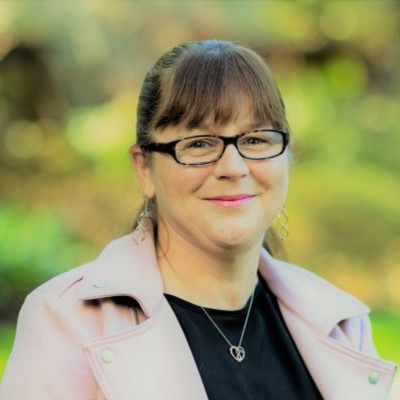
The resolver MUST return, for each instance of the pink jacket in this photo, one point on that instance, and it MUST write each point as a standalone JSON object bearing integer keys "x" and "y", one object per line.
{"x": 74, "y": 342}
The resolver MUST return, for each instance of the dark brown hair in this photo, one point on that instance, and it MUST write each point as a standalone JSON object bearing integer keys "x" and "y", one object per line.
{"x": 208, "y": 81}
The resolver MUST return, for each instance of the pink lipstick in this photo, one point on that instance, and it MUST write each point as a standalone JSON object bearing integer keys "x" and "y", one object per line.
{"x": 231, "y": 201}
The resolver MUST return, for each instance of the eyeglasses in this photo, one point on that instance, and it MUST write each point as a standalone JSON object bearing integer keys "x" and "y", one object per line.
{"x": 206, "y": 149}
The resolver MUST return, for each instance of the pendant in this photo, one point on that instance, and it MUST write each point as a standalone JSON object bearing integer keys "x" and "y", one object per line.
{"x": 237, "y": 352}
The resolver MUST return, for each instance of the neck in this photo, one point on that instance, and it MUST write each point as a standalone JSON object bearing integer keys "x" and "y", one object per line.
{"x": 221, "y": 279}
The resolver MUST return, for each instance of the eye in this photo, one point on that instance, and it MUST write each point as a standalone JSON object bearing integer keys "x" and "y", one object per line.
{"x": 197, "y": 143}
{"x": 254, "y": 140}
{"x": 261, "y": 138}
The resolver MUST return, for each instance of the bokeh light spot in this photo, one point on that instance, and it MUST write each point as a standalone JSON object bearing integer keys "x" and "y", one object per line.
{"x": 107, "y": 129}
{"x": 347, "y": 76}
{"x": 338, "y": 20}
{"x": 24, "y": 139}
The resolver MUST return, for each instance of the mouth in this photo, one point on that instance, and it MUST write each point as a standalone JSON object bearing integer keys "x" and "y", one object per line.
{"x": 236, "y": 200}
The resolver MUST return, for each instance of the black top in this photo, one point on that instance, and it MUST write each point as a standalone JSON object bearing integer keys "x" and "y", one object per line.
{"x": 272, "y": 368}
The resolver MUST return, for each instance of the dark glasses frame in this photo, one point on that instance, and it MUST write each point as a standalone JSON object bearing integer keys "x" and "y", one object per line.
{"x": 170, "y": 147}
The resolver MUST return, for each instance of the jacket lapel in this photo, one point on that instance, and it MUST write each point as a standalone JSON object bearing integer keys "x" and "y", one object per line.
{"x": 339, "y": 371}
{"x": 153, "y": 361}
{"x": 313, "y": 309}
{"x": 316, "y": 300}
{"x": 126, "y": 269}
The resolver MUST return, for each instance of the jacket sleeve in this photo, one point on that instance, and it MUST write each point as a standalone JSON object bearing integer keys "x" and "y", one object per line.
{"x": 47, "y": 361}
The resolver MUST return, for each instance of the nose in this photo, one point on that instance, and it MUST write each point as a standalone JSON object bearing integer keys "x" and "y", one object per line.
{"x": 231, "y": 165}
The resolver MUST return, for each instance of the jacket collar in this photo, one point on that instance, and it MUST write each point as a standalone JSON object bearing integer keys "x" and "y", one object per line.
{"x": 312, "y": 298}
{"x": 127, "y": 269}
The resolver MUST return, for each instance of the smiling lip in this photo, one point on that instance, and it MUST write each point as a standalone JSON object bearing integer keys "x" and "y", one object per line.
{"x": 231, "y": 201}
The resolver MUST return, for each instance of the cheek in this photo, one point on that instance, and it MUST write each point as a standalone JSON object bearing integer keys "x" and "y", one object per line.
{"x": 173, "y": 182}
{"x": 274, "y": 175}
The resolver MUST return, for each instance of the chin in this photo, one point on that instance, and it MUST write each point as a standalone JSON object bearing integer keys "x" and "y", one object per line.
{"x": 231, "y": 238}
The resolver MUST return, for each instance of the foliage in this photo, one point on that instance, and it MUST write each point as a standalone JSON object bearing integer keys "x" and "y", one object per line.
{"x": 33, "y": 247}
{"x": 7, "y": 333}
{"x": 386, "y": 326}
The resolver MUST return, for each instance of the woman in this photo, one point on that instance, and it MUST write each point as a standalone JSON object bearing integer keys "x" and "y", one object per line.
{"x": 192, "y": 305}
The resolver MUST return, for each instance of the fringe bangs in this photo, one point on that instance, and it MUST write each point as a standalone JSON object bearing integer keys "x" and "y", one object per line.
{"x": 216, "y": 87}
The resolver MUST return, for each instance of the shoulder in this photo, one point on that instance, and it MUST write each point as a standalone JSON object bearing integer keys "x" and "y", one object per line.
{"x": 60, "y": 285}
{"x": 51, "y": 328}
{"x": 54, "y": 302}
{"x": 55, "y": 306}
{"x": 302, "y": 274}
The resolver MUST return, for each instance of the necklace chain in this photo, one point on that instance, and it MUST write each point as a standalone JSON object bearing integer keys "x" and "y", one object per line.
{"x": 237, "y": 352}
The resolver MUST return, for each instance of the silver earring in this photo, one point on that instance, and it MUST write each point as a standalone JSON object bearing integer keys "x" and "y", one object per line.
{"x": 283, "y": 223}
{"x": 139, "y": 234}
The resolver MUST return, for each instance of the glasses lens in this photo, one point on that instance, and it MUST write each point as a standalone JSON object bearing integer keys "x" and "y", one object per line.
{"x": 261, "y": 144}
{"x": 198, "y": 149}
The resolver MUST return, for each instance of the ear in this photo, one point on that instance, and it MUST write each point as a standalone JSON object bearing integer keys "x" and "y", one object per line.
{"x": 143, "y": 170}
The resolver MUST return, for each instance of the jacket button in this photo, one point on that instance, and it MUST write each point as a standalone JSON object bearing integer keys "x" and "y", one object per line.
{"x": 373, "y": 378}
{"x": 107, "y": 356}
{"x": 100, "y": 285}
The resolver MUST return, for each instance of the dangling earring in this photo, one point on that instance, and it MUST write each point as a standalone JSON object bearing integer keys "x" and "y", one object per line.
{"x": 283, "y": 222}
{"x": 139, "y": 234}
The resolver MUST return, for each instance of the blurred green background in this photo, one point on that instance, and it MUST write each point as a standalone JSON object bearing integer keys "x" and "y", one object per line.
{"x": 70, "y": 72}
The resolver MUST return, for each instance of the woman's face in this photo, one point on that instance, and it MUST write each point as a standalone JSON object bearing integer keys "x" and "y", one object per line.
{"x": 227, "y": 204}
